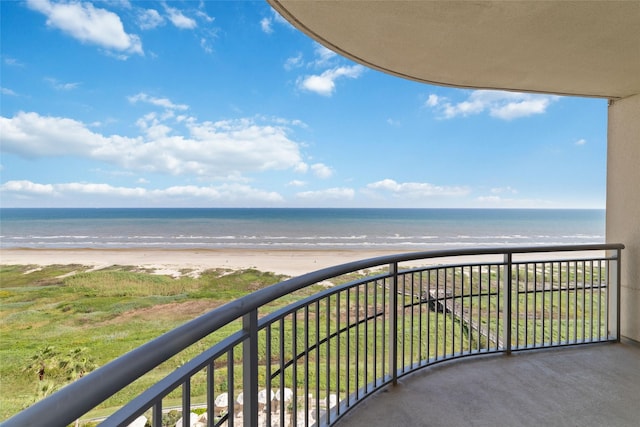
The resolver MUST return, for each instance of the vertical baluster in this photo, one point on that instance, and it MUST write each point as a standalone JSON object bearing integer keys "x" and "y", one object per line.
{"x": 560, "y": 294}
{"x": 516, "y": 301}
{"x": 250, "y": 368}
{"x": 479, "y": 299}
{"x": 429, "y": 305}
{"x": 348, "y": 347}
{"x": 306, "y": 365}
{"x": 327, "y": 379}
{"x": 231, "y": 382}
{"x": 438, "y": 309}
{"x": 553, "y": 295}
{"x": 385, "y": 346}
{"x": 401, "y": 306}
{"x": 566, "y": 305}
{"x": 210, "y": 393}
{"x": 186, "y": 401}
{"x": 471, "y": 309}
{"x": 500, "y": 294}
{"x": 452, "y": 292}
{"x": 157, "y": 414}
{"x": 281, "y": 401}
{"x": 366, "y": 335}
{"x": 461, "y": 297}
{"x": 294, "y": 365}
{"x": 483, "y": 276}
{"x": 602, "y": 281}
{"x": 579, "y": 272}
{"x": 444, "y": 313}
{"x": 584, "y": 302}
{"x": 357, "y": 344}
{"x": 375, "y": 334}
{"x": 318, "y": 358}
{"x": 393, "y": 323}
{"x": 412, "y": 326}
{"x": 268, "y": 385}
{"x": 508, "y": 295}
{"x": 526, "y": 304}
{"x": 535, "y": 303}
{"x": 338, "y": 345}
{"x": 591, "y": 302}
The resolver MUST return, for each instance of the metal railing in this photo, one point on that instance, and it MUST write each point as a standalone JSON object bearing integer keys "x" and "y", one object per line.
{"x": 309, "y": 362}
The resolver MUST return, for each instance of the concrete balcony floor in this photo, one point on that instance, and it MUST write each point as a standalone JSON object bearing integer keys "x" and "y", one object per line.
{"x": 590, "y": 385}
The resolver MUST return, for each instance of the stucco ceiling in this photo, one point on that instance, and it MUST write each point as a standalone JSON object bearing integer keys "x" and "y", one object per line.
{"x": 586, "y": 48}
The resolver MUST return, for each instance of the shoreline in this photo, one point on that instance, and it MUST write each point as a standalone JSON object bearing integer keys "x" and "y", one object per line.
{"x": 179, "y": 262}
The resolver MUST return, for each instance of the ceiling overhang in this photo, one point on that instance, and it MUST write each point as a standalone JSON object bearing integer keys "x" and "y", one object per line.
{"x": 583, "y": 48}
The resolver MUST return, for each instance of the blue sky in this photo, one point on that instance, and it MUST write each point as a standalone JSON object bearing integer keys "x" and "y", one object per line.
{"x": 223, "y": 104}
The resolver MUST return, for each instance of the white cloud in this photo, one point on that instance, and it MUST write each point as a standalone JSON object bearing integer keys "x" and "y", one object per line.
{"x": 178, "y": 19}
{"x": 149, "y": 19}
{"x": 225, "y": 192}
{"x": 338, "y": 193}
{"x": 208, "y": 149}
{"x": 205, "y": 44}
{"x": 499, "y": 104}
{"x": 27, "y": 188}
{"x": 500, "y": 190}
{"x": 416, "y": 189}
{"x": 265, "y": 24}
{"x": 77, "y": 190}
{"x": 293, "y": 62}
{"x": 89, "y": 24}
{"x": 7, "y": 91}
{"x": 321, "y": 170}
{"x": 203, "y": 15}
{"x": 581, "y": 142}
{"x": 502, "y": 202}
{"x": 324, "y": 84}
{"x": 301, "y": 167}
{"x": 159, "y": 102}
{"x": 323, "y": 56}
{"x": 296, "y": 183}
{"x": 433, "y": 100}
{"x": 12, "y": 62}
{"x": 61, "y": 86}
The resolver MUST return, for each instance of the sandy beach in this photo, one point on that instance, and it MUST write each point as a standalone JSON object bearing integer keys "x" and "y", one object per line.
{"x": 162, "y": 261}
{"x": 174, "y": 262}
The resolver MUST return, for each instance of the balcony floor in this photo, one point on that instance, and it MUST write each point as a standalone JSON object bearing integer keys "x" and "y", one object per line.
{"x": 591, "y": 385}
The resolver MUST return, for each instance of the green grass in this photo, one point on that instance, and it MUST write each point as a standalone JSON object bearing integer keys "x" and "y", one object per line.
{"x": 109, "y": 312}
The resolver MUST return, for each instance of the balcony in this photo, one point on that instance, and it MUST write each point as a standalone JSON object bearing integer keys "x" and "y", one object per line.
{"x": 595, "y": 385}
{"x": 387, "y": 337}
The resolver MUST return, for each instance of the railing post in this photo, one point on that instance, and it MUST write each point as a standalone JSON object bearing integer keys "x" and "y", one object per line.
{"x": 507, "y": 301}
{"x": 393, "y": 322}
{"x": 613, "y": 301}
{"x": 250, "y": 368}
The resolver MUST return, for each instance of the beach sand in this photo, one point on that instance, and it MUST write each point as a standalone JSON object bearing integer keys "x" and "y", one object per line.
{"x": 171, "y": 262}
{"x": 174, "y": 262}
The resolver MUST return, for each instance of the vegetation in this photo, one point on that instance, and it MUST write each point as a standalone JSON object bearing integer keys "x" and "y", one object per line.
{"x": 65, "y": 310}
{"x": 61, "y": 321}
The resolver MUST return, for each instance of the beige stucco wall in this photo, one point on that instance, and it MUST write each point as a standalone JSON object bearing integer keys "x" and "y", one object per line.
{"x": 623, "y": 204}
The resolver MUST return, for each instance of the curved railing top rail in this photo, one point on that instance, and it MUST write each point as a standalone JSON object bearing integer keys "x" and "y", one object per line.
{"x": 119, "y": 373}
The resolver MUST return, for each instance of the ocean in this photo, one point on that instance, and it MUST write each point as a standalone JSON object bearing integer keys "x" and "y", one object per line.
{"x": 218, "y": 228}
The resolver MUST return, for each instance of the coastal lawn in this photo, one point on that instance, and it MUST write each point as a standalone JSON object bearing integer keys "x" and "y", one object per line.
{"x": 109, "y": 312}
